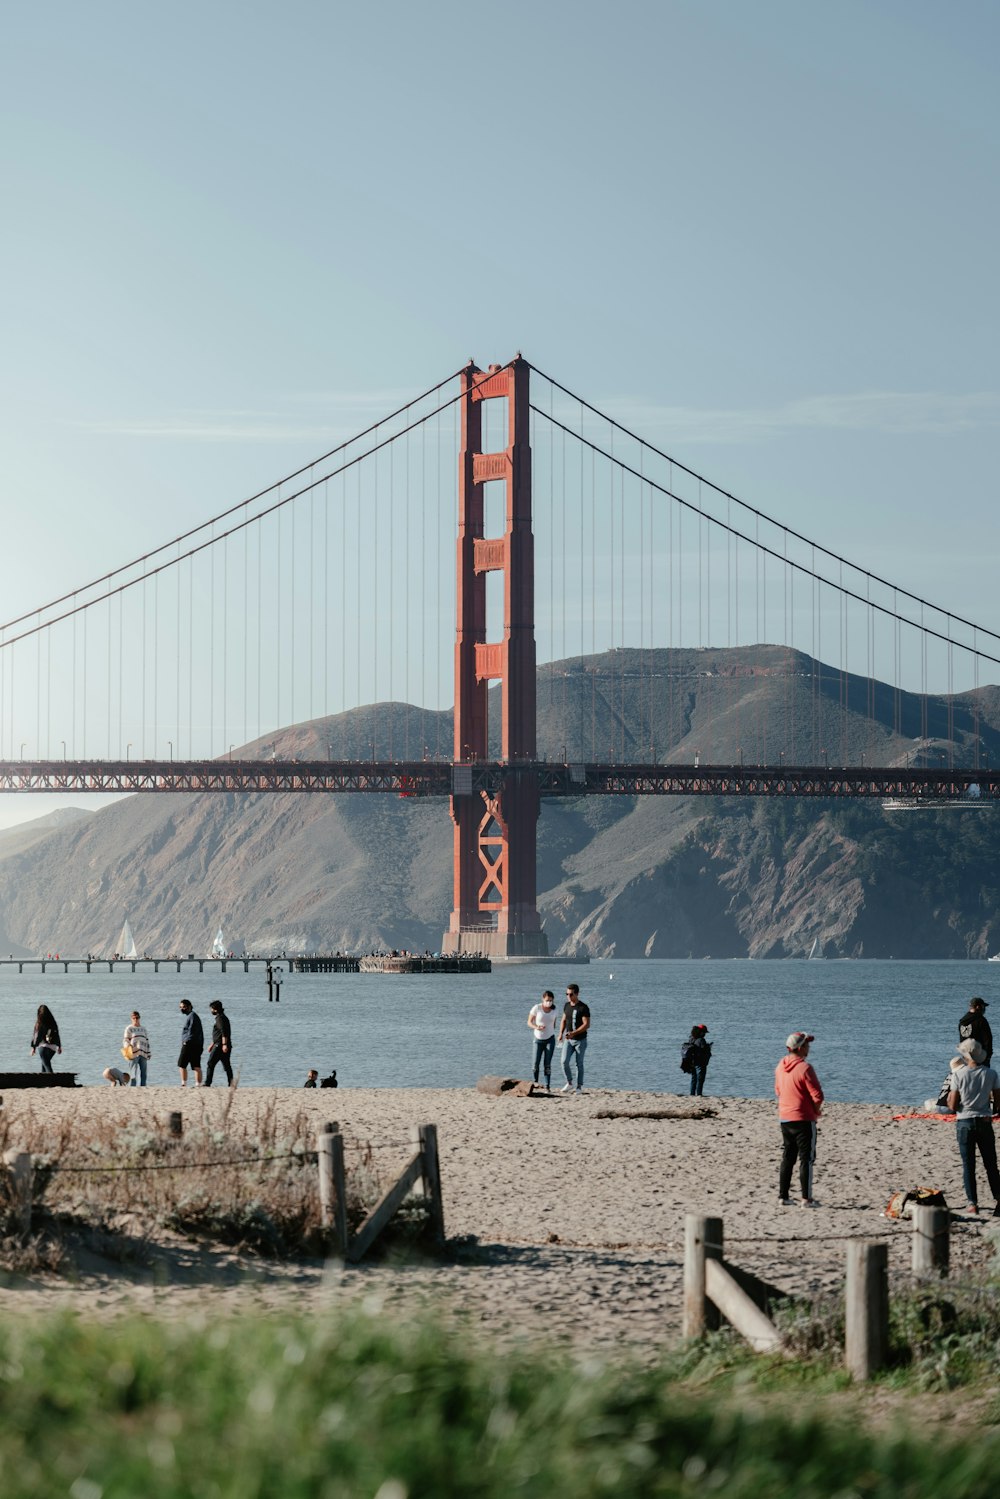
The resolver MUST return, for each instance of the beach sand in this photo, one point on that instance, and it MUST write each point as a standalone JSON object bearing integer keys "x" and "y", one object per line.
{"x": 566, "y": 1215}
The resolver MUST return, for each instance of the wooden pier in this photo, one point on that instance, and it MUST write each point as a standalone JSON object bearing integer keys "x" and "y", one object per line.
{"x": 305, "y": 963}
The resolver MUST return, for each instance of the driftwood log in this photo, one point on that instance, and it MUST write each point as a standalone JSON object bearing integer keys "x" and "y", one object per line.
{"x": 494, "y": 1086}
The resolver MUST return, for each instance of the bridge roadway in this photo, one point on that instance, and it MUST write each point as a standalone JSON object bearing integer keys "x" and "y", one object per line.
{"x": 439, "y": 778}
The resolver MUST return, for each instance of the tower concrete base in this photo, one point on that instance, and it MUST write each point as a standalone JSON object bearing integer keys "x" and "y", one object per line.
{"x": 489, "y": 944}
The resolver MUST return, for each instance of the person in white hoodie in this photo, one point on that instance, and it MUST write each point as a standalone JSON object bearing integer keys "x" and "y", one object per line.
{"x": 542, "y": 1020}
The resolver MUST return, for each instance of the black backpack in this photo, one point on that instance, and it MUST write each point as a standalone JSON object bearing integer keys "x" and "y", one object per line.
{"x": 687, "y": 1056}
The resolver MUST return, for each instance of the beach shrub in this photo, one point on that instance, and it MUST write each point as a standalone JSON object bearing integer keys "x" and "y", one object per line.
{"x": 256, "y": 1408}
{"x": 251, "y": 1185}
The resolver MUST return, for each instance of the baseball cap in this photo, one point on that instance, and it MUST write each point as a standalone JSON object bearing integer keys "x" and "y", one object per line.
{"x": 797, "y": 1039}
{"x": 977, "y": 1001}
{"x": 972, "y": 1049}
{"x": 699, "y": 1027}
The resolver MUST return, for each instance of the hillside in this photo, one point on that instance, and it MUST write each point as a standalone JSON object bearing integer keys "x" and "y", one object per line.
{"x": 657, "y": 877}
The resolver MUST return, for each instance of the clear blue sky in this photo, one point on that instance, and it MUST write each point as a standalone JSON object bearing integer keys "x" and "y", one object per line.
{"x": 765, "y": 234}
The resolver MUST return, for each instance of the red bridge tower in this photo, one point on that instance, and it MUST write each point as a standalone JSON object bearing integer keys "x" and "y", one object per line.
{"x": 495, "y": 835}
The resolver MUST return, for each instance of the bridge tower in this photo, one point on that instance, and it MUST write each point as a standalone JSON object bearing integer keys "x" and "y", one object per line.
{"x": 495, "y": 908}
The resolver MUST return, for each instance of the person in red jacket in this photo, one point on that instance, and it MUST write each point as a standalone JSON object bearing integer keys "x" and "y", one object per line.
{"x": 800, "y": 1099}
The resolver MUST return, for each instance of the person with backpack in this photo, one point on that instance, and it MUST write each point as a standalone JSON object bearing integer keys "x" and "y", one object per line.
{"x": 800, "y": 1099}
{"x": 975, "y": 1027}
{"x": 695, "y": 1056}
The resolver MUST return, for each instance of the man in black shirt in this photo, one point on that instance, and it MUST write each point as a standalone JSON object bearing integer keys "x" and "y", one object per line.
{"x": 573, "y": 1036}
{"x": 974, "y": 1026}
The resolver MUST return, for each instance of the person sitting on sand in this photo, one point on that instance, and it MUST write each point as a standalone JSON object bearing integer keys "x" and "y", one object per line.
{"x": 116, "y": 1077}
{"x": 312, "y": 1078}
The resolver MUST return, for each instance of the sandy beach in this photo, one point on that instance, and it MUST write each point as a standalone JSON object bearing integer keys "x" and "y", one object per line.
{"x": 565, "y": 1214}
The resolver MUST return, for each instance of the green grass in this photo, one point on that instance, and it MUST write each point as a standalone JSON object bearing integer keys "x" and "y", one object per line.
{"x": 144, "y": 1409}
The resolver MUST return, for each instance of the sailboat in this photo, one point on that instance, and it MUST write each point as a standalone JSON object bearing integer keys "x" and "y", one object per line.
{"x": 126, "y": 943}
{"x": 219, "y": 948}
{"x": 812, "y": 950}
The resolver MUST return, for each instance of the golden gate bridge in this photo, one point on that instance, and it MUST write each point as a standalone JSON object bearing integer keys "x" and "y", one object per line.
{"x": 334, "y": 580}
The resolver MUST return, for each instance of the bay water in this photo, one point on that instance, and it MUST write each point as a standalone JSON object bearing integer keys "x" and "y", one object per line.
{"x": 884, "y": 1030}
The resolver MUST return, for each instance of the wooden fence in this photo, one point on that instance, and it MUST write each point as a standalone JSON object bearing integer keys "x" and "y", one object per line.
{"x": 420, "y": 1178}
{"x": 715, "y": 1288}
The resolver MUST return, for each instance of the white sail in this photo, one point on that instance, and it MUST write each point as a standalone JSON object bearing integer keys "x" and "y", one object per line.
{"x": 126, "y": 943}
{"x": 219, "y": 948}
{"x": 812, "y": 950}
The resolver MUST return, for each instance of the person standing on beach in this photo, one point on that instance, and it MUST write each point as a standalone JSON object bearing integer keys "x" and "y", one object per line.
{"x": 974, "y": 1026}
{"x": 800, "y": 1099}
{"x": 542, "y": 1020}
{"x": 222, "y": 1044}
{"x": 192, "y": 1044}
{"x": 974, "y": 1095}
{"x": 45, "y": 1037}
{"x": 697, "y": 1053}
{"x": 136, "y": 1039}
{"x": 573, "y": 1031}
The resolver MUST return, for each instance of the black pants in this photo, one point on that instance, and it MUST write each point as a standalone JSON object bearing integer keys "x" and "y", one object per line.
{"x": 215, "y": 1056}
{"x": 798, "y": 1140}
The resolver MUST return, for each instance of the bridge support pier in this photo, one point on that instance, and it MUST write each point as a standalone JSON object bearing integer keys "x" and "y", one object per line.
{"x": 495, "y": 911}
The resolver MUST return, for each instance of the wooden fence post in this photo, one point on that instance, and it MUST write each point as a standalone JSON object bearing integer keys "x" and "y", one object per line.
{"x": 424, "y": 1137}
{"x": 20, "y": 1172}
{"x": 867, "y": 1331}
{"x": 931, "y": 1242}
{"x": 332, "y": 1183}
{"x": 702, "y": 1241}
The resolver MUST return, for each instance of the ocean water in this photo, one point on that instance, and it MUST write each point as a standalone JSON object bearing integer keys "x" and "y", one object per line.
{"x": 884, "y": 1031}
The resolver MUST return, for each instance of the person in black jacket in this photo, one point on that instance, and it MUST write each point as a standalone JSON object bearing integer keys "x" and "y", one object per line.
{"x": 974, "y": 1026}
{"x": 222, "y": 1044}
{"x": 45, "y": 1037}
{"x": 696, "y": 1054}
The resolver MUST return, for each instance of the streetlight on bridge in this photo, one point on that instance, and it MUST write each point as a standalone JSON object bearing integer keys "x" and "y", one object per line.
{"x": 127, "y": 748}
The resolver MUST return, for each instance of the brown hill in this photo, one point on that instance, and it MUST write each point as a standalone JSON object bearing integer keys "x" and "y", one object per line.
{"x": 661, "y": 877}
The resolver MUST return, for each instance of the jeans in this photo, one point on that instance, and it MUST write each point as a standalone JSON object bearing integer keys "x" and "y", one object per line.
{"x": 573, "y": 1049}
{"x": 215, "y": 1056}
{"x": 698, "y": 1079}
{"x": 543, "y": 1056}
{"x": 138, "y": 1068}
{"x": 45, "y": 1055}
{"x": 798, "y": 1137}
{"x": 977, "y": 1134}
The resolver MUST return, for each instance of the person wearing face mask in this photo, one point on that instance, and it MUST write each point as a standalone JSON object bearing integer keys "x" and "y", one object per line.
{"x": 542, "y": 1020}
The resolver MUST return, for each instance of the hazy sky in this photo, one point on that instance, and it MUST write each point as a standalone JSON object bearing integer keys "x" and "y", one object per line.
{"x": 766, "y": 235}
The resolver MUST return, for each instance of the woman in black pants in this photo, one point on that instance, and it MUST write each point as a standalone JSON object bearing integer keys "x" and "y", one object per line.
{"x": 222, "y": 1044}
{"x": 45, "y": 1037}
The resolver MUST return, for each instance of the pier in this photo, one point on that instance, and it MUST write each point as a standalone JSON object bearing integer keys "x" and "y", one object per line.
{"x": 304, "y": 963}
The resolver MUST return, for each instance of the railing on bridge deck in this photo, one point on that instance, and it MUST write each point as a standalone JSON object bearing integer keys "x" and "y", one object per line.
{"x": 440, "y": 778}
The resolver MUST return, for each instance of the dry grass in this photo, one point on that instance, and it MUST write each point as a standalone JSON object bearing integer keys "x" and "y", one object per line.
{"x": 249, "y": 1184}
